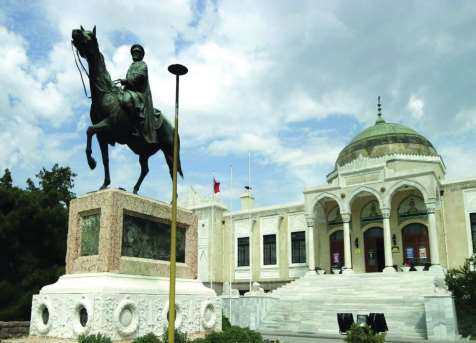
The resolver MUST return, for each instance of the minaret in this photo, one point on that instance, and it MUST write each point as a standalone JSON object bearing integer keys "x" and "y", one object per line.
{"x": 380, "y": 119}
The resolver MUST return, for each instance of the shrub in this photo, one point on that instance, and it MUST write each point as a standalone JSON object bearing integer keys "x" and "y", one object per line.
{"x": 180, "y": 337}
{"x": 98, "y": 338}
{"x": 363, "y": 334}
{"x": 460, "y": 282}
{"x": 225, "y": 323}
{"x": 233, "y": 334}
{"x": 149, "y": 338}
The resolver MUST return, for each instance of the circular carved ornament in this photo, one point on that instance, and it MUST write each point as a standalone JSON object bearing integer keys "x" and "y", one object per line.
{"x": 178, "y": 315}
{"x": 126, "y": 318}
{"x": 208, "y": 315}
{"x": 43, "y": 316}
{"x": 82, "y": 307}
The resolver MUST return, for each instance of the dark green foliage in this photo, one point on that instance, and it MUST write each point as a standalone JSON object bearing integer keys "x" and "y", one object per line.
{"x": 33, "y": 229}
{"x": 225, "y": 323}
{"x": 6, "y": 180}
{"x": 149, "y": 338}
{"x": 462, "y": 283}
{"x": 230, "y": 334}
{"x": 98, "y": 338}
{"x": 233, "y": 334}
{"x": 363, "y": 334}
{"x": 180, "y": 337}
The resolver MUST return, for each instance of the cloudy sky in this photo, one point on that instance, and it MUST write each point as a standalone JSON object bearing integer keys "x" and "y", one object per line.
{"x": 290, "y": 82}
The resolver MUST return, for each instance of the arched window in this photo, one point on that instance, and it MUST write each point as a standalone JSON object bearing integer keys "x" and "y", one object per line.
{"x": 334, "y": 217}
{"x": 371, "y": 212}
{"x": 410, "y": 207}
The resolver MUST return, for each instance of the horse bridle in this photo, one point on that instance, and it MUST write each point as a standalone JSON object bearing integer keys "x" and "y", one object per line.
{"x": 80, "y": 73}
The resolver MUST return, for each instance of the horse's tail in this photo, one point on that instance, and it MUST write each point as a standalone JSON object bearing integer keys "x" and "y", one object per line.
{"x": 179, "y": 164}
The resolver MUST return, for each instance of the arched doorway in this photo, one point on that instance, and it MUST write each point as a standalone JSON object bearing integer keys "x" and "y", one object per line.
{"x": 336, "y": 245}
{"x": 416, "y": 246}
{"x": 374, "y": 250}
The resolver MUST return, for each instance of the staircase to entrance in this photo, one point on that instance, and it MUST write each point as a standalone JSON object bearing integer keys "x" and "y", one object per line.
{"x": 309, "y": 305}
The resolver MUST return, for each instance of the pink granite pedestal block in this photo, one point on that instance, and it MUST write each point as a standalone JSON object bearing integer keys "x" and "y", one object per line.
{"x": 111, "y": 205}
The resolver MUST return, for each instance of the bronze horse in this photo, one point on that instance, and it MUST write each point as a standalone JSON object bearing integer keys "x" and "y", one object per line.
{"x": 111, "y": 123}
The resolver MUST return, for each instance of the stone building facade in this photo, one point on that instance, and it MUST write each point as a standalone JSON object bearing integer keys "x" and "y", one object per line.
{"x": 386, "y": 206}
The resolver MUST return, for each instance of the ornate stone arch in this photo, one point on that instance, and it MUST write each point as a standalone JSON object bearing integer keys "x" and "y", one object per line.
{"x": 366, "y": 189}
{"x": 371, "y": 225}
{"x": 321, "y": 196}
{"x": 334, "y": 230}
{"x": 391, "y": 191}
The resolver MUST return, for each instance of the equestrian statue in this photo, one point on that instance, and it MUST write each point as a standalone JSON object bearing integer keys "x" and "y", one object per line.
{"x": 123, "y": 115}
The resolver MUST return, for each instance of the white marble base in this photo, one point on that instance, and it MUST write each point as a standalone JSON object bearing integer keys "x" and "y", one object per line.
{"x": 121, "y": 306}
{"x": 440, "y": 318}
{"x": 347, "y": 271}
{"x": 437, "y": 268}
{"x": 247, "y": 311}
{"x": 388, "y": 270}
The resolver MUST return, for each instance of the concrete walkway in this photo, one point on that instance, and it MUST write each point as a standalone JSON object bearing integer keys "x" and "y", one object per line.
{"x": 322, "y": 338}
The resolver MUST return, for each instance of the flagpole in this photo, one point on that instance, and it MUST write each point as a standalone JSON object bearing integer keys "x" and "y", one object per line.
{"x": 232, "y": 239}
{"x": 177, "y": 70}
{"x": 249, "y": 219}
{"x": 211, "y": 234}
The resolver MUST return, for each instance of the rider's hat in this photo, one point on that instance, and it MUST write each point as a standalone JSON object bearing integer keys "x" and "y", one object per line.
{"x": 138, "y": 47}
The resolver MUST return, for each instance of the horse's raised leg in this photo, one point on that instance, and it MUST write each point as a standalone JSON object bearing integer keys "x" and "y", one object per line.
{"x": 144, "y": 169}
{"x": 102, "y": 126}
{"x": 91, "y": 160}
{"x": 105, "y": 162}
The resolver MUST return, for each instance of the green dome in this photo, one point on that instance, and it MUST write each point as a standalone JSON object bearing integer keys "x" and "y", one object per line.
{"x": 386, "y": 139}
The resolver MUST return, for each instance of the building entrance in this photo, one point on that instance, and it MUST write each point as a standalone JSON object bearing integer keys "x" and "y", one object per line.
{"x": 336, "y": 242}
{"x": 374, "y": 250}
{"x": 416, "y": 246}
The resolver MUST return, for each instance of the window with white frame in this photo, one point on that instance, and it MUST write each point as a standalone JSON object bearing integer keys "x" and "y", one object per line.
{"x": 472, "y": 219}
{"x": 269, "y": 249}
{"x": 298, "y": 247}
{"x": 243, "y": 251}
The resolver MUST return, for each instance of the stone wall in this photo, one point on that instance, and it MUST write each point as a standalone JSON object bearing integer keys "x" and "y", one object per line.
{"x": 14, "y": 329}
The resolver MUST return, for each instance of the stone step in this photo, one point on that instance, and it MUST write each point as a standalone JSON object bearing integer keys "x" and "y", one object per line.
{"x": 311, "y": 303}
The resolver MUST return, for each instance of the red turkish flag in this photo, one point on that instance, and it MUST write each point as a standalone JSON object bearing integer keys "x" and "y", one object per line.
{"x": 216, "y": 186}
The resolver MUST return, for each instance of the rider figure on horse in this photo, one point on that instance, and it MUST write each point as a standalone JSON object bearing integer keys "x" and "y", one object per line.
{"x": 137, "y": 98}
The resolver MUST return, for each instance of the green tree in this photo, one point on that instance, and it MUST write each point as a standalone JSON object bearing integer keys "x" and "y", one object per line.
{"x": 33, "y": 229}
{"x": 6, "y": 180}
{"x": 462, "y": 283}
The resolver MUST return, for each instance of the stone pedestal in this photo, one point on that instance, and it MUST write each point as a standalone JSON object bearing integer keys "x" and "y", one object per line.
{"x": 117, "y": 268}
{"x": 247, "y": 311}
{"x": 440, "y": 317}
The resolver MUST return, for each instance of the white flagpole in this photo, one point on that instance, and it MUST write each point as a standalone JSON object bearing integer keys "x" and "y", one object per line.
{"x": 211, "y": 234}
{"x": 232, "y": 260}
{"x": 249, "y": 219}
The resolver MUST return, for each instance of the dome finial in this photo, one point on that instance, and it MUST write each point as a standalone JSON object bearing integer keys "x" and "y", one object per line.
{"x": 379, "y": 107}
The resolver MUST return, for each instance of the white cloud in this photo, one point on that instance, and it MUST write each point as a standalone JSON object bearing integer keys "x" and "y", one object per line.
{"x": 29, "y": 102}
{"x": 459, "y": 160}
{"x": 415, "y": 106}
{"x": 258, "y": 72}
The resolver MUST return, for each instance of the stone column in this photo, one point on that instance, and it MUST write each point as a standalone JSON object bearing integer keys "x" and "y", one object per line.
{"x": 433, "y": 236}
{"x": 387, "y": 241}
{"x": 347, "y": 247}
{"x": 310, "y": 244}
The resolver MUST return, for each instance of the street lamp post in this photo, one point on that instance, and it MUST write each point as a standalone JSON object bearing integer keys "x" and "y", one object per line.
{"x": 177, "y": 70}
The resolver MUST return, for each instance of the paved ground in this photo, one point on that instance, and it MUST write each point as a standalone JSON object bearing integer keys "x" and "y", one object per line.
{"x": 282, "y": 339}
{"x": 307, "y": 338}
{"x": 33, "y": 339}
